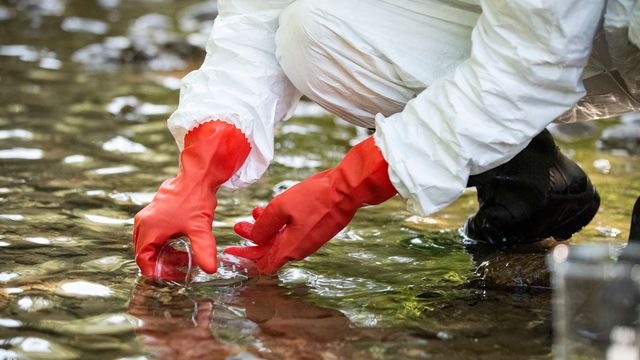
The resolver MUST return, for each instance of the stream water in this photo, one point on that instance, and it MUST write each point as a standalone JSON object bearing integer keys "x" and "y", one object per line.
{"x": 84, "y": 146}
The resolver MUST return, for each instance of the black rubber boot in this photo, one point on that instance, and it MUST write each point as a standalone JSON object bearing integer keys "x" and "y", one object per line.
{"x": 634, "y": 229}
{"x": 540, "y": 193}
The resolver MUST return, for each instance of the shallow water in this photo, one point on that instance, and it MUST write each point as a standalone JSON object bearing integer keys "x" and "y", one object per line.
{"x": 75, "y": 168}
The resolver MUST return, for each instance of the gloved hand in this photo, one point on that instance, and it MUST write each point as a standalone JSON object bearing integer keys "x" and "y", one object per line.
{"x": 184, "y": 205}
{"x": 299, "y": 221}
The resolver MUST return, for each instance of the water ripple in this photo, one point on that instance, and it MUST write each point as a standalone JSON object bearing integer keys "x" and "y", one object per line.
{"x": 10, "y": 323}
{"x": 82, "y": 288}
{"x": 12, "y": 217}
{"x": 136, "y": 198}
{"x": 105, "y": 324}
{"x": 21, "y": 153}
{"x": 36, "y": 348}
{"x": 75, "y": 159}
{"x": 123, "y": 145}
{"x": 114, "y": 170}
{"x": 34, "y": 303}
{"x": 107, "y": 220}
{"x": 16, "y": 134}
{"x": 78, "y": 24}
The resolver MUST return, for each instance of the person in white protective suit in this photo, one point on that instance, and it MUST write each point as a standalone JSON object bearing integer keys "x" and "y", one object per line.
{"x": 459, "y": 93}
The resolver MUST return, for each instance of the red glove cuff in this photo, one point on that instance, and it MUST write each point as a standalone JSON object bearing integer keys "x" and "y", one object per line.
{"x": 213, "y": 152}
{"x": 364, "y": 174}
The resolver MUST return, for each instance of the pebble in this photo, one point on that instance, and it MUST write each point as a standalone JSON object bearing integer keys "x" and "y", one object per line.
{"x": 602, "y": 165}
{"x": 622, "y": 136}
{"x": 608, "y": 231}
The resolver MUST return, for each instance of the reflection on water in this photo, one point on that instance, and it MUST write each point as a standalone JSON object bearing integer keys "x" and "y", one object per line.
{"x": 85, "y": 89}
{"x": 257, "y": 319}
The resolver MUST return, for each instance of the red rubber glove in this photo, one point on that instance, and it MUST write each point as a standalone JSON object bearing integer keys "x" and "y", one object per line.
{"x": 299, "y": 221}
{"x": 184, "y": 205}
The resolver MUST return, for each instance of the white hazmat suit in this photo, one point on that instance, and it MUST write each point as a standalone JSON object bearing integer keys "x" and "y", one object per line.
{"x": 453, "y": 87}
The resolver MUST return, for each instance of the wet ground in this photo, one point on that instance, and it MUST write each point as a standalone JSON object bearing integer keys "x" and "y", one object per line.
{"x": 83, "y": 145}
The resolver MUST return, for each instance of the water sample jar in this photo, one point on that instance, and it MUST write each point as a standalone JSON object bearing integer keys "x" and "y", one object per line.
{"x": 176, "y": 266}
{"x": 596, "y": 301}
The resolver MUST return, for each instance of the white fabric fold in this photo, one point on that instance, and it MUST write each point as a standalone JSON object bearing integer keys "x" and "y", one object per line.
{"x": 446, "y": 107}
{"x": 525, "y": 70}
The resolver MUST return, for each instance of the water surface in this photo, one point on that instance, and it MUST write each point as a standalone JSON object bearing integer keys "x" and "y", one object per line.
{"x": 83, "y": 148}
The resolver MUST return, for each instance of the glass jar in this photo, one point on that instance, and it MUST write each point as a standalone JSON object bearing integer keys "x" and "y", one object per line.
{"x": 596, "y": 301}
{"x": 176, "y": 266}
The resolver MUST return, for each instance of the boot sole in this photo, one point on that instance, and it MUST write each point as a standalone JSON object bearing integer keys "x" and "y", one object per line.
{"x": 567, "y": 228}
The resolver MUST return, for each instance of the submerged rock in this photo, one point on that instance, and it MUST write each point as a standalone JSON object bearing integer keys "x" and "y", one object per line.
{"x": 130, "y": 108}
{"x": 34, "y": 11}
{"x": 573, "y": 131}
{"x": 46, "y": 58}
{"x": 514, "y": 271}
{"x": 522, "y": 267}
{"x": 152, "y": 28}
{"x": 622, "y": 137}
{"x": 493, "y": 317}
{"x": 199, "y": 15}
{"x": 105, "y": 55}
{"x": 38, "y": 8}
{"x": 197, "y": 20}
{"x": 153, "y": 41}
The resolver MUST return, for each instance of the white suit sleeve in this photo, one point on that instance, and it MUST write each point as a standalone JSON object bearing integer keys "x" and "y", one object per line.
{"x": 239, "y": 82}
{"x": 524, "y": 70}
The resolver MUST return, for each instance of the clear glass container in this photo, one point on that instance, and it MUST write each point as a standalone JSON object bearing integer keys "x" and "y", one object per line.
{"x": 596, "y": 301}
{"x": 176, "y": 266}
